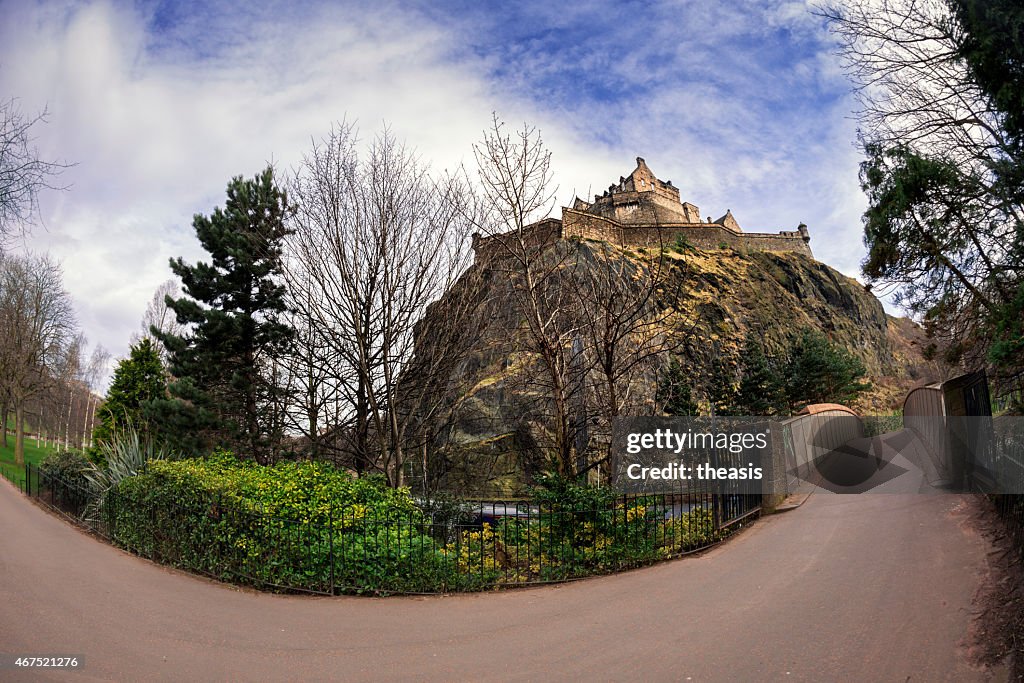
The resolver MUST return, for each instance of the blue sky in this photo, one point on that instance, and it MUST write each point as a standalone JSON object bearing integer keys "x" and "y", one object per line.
{"x": 741, "y": 104}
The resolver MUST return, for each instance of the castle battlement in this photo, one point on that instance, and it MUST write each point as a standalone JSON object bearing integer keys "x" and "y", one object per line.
{"x": 643, "y": 211}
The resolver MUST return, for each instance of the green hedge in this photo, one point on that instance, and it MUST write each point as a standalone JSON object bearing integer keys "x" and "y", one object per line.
{"x": 282, "y": 525}
{"x": 66, "y": 467}
{"x": 278, "y": 525}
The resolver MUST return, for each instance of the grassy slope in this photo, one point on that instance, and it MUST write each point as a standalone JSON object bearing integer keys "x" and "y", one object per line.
{"x": 16, "y": 473}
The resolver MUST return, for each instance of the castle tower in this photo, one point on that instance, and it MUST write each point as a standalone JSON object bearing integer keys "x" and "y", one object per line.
{"x": 727, "y": 221}
{"x": 642, "y": 199}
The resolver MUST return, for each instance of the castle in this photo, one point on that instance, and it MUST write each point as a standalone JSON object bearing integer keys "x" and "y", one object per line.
{"x": 643, "y": 211}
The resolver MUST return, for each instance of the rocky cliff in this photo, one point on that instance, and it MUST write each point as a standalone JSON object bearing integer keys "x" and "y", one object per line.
{"x": 709, "y": 299}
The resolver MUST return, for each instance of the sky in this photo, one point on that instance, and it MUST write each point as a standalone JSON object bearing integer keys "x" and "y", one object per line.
{"x": 741, "y": 104}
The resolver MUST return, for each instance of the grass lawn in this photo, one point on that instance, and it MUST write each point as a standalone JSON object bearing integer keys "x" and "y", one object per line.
{"x": 16, "y": 473}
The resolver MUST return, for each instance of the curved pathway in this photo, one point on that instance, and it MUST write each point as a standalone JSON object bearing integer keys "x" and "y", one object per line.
{"x": 864, "y": 587}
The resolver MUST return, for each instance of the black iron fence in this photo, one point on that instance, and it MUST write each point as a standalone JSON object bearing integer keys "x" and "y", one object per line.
{"x": 438, "y": 547}
{"x": 13, "y": 473}
{"x": 1007, "y": 446}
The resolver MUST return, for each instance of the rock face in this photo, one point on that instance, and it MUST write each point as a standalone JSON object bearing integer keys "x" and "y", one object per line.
{"x": 712, "y": 298}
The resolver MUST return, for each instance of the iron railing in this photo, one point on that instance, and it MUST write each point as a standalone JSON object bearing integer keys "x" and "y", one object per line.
{"x": 459, "y": 546}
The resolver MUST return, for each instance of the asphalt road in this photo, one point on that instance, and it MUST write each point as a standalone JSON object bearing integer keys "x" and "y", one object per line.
{"x": 864, "y": 587}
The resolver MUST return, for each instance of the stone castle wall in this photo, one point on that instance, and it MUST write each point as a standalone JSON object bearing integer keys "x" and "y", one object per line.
{"x": 507, "y": 244}
{"x": 577, "y": 224}
{"x": 640, "y": 211}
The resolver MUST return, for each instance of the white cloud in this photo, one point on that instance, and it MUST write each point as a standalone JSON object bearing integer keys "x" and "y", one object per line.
{"x": 158, "y": 126}
{"x": 157, "y": 135}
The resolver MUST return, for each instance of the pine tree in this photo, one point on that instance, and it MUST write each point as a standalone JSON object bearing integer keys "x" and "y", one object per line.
{"x": 818, "y": 371}
{"x": 224, "y": 389}
{"x": 139, "y": 381}
{"x": 762, "y": 388}
{"x": 674, "y": 391}
{"x": 721, "y": 386}
{"x": 992, "y": 45}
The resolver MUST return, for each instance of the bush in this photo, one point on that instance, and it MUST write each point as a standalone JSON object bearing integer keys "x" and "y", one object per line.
{"x": 446, "y": 515}
{"x": 65, "y": 470}
{"x": 278, "y": 525}
{"x": 124, "y": 455}
{"x": 882, "y": 424}
{"x": 63, "y": 476}
{"x": 585, "y": 529}
{"x": 682, "y": 245}
{"x": 691, "y": 530}
{"x": 312, "y": 526}
{"x": 64, "y": 467}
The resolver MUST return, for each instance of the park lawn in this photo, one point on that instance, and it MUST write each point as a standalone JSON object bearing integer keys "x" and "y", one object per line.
{"x": 16, "y": 473}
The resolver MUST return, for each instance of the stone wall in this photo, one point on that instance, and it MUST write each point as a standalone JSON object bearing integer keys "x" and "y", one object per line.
{"x": 700, "y": 235}
{"x": 588, "y": 226}
{"x": 583, "y": 225}
{"x": 506, "y": 244}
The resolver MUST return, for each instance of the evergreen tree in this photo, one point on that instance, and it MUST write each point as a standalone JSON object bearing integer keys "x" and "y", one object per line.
{"x": 941, "y": 86}
{"x": 721, "y": 387}
{"x": 139, "y": 381}
{"x": 762, "y": 388}
{"x": 818, "y": 371}
{"x": 224, "y": 389}
{"x": 992, "y": 44}
{"x": 675, "y": 394}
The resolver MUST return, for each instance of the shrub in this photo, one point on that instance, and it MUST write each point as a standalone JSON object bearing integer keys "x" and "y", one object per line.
{"x": 682, "y": 245}
{"x": 63, "y": 474}
{"x": 315, "y": 527}
{"x": 64, "y": 468}
{"x": 446, "y": 515}
{"x": 278, "y": 525}
{"x": 691, "y": 530}
{"x": 585, "y": 529}
{"x": 125, "y": 454}
{"x": 883, "y": 424}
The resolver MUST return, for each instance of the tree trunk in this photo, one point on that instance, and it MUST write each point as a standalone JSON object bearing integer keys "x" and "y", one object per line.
{"x": 3, "y": 416}
{"x": 19, "y": 434}
{"x": 85, "y": 420}
{"x": 67, "y": 422}
{"x": 362, "y": 429}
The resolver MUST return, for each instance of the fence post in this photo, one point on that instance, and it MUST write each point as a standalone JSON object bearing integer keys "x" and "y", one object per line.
{"x": 330, "y": 541}
{"x": 716, "y": 509}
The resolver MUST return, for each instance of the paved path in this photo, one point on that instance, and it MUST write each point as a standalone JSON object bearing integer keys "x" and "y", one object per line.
{"x": 866, "y": 587}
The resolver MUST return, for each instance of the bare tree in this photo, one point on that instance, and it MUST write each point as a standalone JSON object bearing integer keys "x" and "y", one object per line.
{"x": 23, "y": 175}
{"x": 375, "y": 241}
{"x": 313, "y": 375}
{"x": 626, "y": 329}
{"x": 36, "y": 334}
{"x": 94, "y": 373}
{"x": 596, "y": 321}
{"x": 912, "y": 86}
{"x": 5, "y": 411}
{"x": 159, "y": 316}
{"x": 516, "y": 180}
